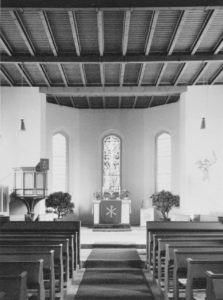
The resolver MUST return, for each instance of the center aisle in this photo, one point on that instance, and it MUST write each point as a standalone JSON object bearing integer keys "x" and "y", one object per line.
{"x": 114, "y": 273}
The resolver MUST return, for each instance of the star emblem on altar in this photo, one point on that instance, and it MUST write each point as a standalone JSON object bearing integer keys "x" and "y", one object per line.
{"x": 111, "y": 211}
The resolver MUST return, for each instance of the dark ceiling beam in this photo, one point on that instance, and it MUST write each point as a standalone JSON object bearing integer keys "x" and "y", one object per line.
{"x": 115, "y": 4}
{"x": 216, "y": 75}
{"x": 6, "y": 75}
{"x": 112, "y": 91}
{"x": 23, "y": 31}
{"x": 24, "y": 74}
{"x": 63, "y": 75}
{"x": 100, "y": 24}
{"x": 141, "y": 74}
{"x": 74, "y": 29}
{"x": 199, "y": 75}
{"x": 122, "y": 74}
{"x": 5, "y": 44}
{"x": 151, "y": 31}
{"x": 180, "y": 73}
{"x": 208, "y": 20}
{"x": 83, "y": 75}
{"x": 44, "y": 74}
{"x": 125, "y": 35}
{"x": 112, "y": 59}
{"x": 177, "y": 31}
{"x": 219, "y": 46}
{"x": 49, "y": 33}
{"x": 102, "y": 74}
{"x": 161, "y": 72}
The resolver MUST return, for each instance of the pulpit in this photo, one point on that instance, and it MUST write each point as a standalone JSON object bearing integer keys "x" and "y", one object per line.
{"x": 112, "y": 211}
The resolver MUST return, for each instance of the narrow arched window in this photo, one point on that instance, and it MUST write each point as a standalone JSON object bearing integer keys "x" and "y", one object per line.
{"x": 111, "y": 164}
{"x": 59, "y": 163}
{"x": 163, "y": 154}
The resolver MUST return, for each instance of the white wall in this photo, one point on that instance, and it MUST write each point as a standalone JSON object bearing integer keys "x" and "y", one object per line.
{"x": 19, "y": 148}
{"x": 200, "y": 196}
{"x": 137, "y": 129}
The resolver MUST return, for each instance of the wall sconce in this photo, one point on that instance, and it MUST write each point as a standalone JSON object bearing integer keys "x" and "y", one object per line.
{"x": 203, "y": 123}
{"x": 22, "y": 125}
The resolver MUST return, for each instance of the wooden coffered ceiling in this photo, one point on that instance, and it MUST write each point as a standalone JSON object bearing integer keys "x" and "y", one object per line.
{"x": 111, "y": 54}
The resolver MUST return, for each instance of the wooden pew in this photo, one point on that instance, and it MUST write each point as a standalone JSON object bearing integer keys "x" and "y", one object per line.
{"x": 180, "y": 263}
{"x": 32, "y": 255}
{"x": 214, "y": 289}
{"x": 70, "y": 237}
{"x": 177, "y": 227}
{"x": 34, "y": 273}
{"x": 181, "y": 241}
{"x": 196, "y": 270}
{"x": 47, "y": 227}
{"x": 58, "y": 258}
{"x": 169, "y": 258}
{"x": 19, "y": 284}
{"x": 41, "y": 242}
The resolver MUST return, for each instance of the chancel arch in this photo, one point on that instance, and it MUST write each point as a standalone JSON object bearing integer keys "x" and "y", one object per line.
{"x": 163, "y": 161}
{"x": 60, "y": 162}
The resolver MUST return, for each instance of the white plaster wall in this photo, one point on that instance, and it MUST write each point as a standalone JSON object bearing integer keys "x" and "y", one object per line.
{"x": 19, "y": 148}
{"x": 137, "y": 129}
{"x": 202, "y": 196}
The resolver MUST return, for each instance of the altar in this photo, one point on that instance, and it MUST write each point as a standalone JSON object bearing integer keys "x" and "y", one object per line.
{"x": 111, "y": 211}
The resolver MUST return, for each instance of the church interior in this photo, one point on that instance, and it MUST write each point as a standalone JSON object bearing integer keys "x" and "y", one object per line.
{"x": 111, "y": 149}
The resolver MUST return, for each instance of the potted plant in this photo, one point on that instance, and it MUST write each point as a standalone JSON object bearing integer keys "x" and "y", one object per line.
{"x": 98, "y": 195}
{"x": 60, "y": 202}
{"x": 124, "y": 194}
{"x": 164, "y": 201}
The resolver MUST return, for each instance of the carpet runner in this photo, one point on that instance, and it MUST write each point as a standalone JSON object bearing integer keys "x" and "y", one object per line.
{"x": 114, "y": 274}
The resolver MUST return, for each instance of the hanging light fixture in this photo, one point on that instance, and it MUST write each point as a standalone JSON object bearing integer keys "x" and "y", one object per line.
{"x": 203, "y": 123}
{"x": 22, "y": 125}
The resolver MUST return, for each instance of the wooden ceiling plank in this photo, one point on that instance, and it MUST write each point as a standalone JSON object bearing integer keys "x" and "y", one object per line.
{"x": 83, "y": 75}
{"x": 23, "y": 73}
{"x": 141, "y": 74}
{"x": 119, "y": 102}
{"x": 23, "y": 31}
{"x": 151, "y": 31}
{"x": 6, "y": 75}
{"x": 63, "y": 75}
{"x": 122, "y": 74}
{"x": 135, "y": 102}
{"x": 57, "y": 100}
{"x": 72, "y": 101}
{"x": 115, "y": 4}
{"x": 125, "y": 35}
{"x": 161, "y": 72}
{"x": 180, "y": 73}
{"x": 74, "y": 29}
{"x": 219, "y": 46}
{"x": 177, "y": 31}
{"x": 5, "y": 44}
{"x": 113, "y": 91}
{"x": 100, "y": 24}
{"x": 151, "y": 101}
{"x": 102, "y": 74}
{"x": 111, "y": 59}
{"x": 44, "y": 74}
{"x": 49, "y": 33}
{"x": 200, "y": 73}
{"x": 103, "y": 102}
{"x": 88, "y": 102}
{"x": 204, "y": 28}
{"x": 216, "y": 75}
{"x": 167, "y": 99}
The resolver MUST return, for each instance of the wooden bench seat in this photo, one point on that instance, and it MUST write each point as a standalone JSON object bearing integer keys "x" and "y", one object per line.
{"x": 41, "y": 242}
{"x": 19, "y": 284}
{"x": 180, "y": 263}
{"x": 214, "y": 290}
{"x": 48, "y": 266}
{"x": 35, "y": 281}
{"x": 38, "y": 249}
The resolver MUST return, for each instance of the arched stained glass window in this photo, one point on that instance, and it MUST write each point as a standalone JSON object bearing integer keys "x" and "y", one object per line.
{"x": 163, "y": 171}
{"x": 59, "y": 162}
{"x": 111, "y": 164}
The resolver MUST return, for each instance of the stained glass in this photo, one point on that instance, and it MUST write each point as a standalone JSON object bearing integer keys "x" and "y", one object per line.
{"x": 111, "y": 164}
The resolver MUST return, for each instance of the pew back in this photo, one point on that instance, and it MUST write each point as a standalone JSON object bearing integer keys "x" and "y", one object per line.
{"x": 214, "y": 289}
{"x": 19, "y": 284}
